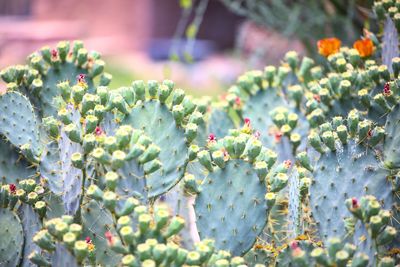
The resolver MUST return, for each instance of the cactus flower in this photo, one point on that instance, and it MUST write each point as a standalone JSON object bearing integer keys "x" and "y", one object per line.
{"x": 365, "y": 47}
{"x": 328, "y": 46}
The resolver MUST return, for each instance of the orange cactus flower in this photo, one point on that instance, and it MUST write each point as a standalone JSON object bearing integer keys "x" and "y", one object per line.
{"x": 365, "y": 47}
{"x": 328, "y": 46}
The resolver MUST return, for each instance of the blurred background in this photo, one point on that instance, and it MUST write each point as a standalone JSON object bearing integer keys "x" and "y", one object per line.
{"x": 203, "y": 45}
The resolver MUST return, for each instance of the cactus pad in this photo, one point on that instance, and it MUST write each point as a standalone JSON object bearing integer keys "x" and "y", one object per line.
{"x": 157, "y": 122}
{"x": 219, "y": 123}
{"x": 63, "y": 178}
{"x": 18, "y": 121}
{"x": 96, "y": 221}
{"x": 353, "y": 172}
{"x": 12, "y": 238}
{"x": 230, "y": 207}
{"x": 12, "y": 168}
{"x": 392, "y": 139}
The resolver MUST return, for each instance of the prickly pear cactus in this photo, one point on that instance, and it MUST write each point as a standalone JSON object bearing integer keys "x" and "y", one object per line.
{"x": 63, "y": 179}
{"x": 31, "y": 223}
{"x": 348, "y": 167}
{"x": 271, "y": 102}
{"x": 12, "y": 238}
{"x": 220, "y": 122}
{"x": 145, "y": 175}
{"x": 97, "y": 220}
{"x": 237, "y": 182}
{"x": 171, "y": 126}
{"x": 390, "y": 46}
{"x": 19, "y": 125}
{"x": 12, "y": 167}
{"x": 391, "y": 144}
{"x": 243, "y": 198}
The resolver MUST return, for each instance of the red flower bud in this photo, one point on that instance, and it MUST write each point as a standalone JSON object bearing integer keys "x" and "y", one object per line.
{"x": 13, "y": 188}
{"x": 287, "y": 163}
{"x": 54, "y": 53}
{"x": 278, "y": 136}
{"x": 81, "y": 78}
{"x": 98, "y": 131}
{"x": 386, "y": 89}
{"x": 369, "y": 133}
{"x": 238, "y": 101}
{"x": 109, "y": 237}
{"x": 354, "y": 203}
{"x": 211, "y": 138}
{"x": 294, "y": 245}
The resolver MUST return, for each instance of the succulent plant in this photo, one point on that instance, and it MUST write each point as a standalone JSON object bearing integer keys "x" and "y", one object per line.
{"x": 298, "y": 165}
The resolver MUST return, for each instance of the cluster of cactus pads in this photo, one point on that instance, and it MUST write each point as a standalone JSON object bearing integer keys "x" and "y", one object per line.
{"x": 298, "y": 165}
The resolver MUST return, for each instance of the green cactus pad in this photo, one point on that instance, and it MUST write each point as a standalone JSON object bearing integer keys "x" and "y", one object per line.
{"x": 285, "y": 257}
{"x": 294, "y": 204}
{"x": 219, "y": 123}
{"x": 62, "y": 177}
{"x": 12, "y": 168}
{"x": 132, "y": 182}
{"x": 62, "y": 257}
{"x": 68, "y": 72}
{"x": 231, "y": 208}
{"x": 353, "y": 172}
{"x": 12, "y": 239}
{"x": 392, "y": 140}
{"x": 18, "y": 121}
{"x": 257, "y": 111}
{"x": 97, "y": 220}
{"x": 31, "y": 224}
{"x": 55, "y": 205}
{"x": 390, "y": 47}
{"x": 259, "y": 256}
{"x": 278, "y": 227}
{"x": 158, "y": 123}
